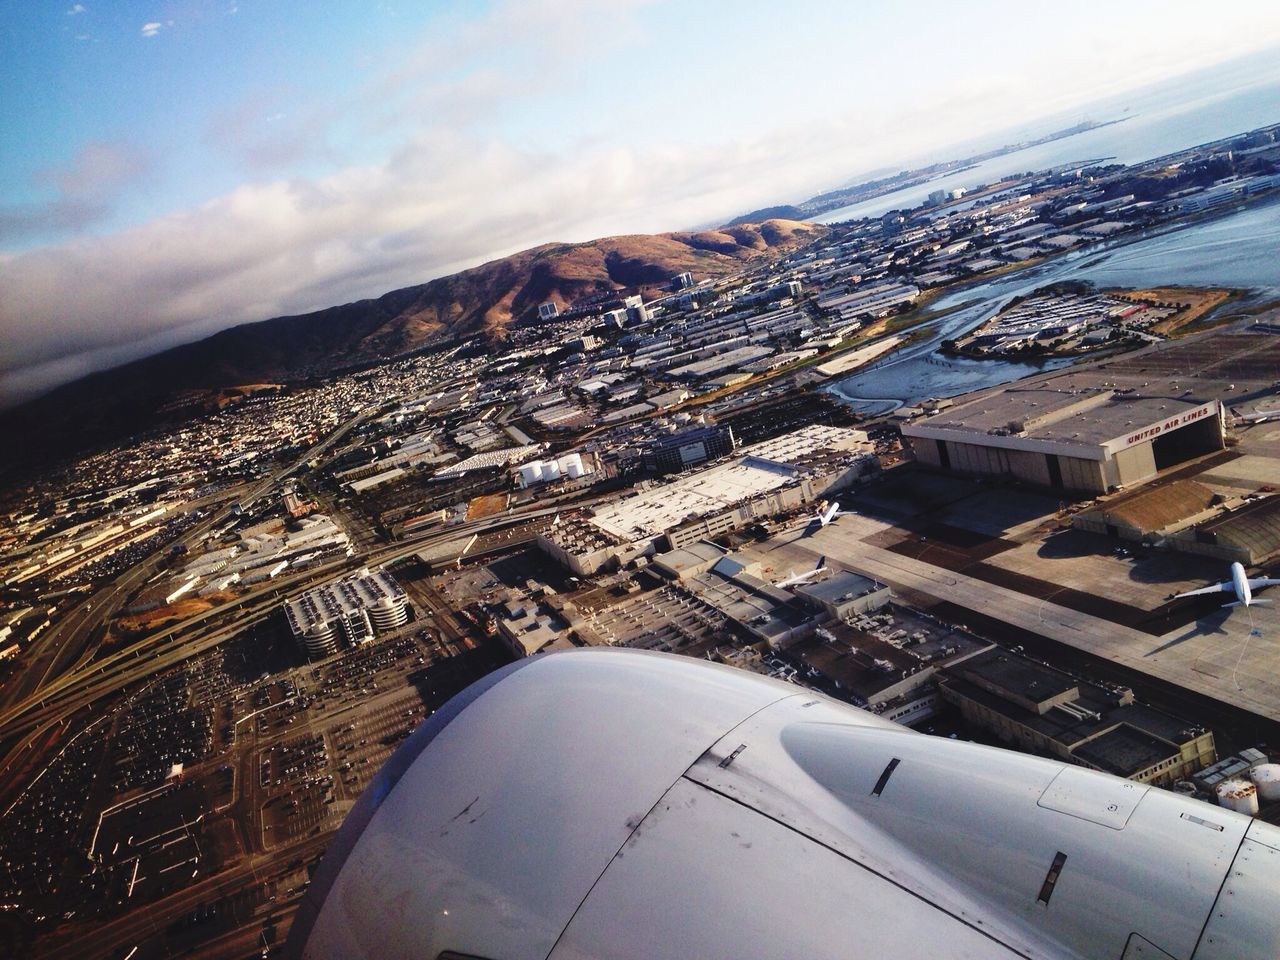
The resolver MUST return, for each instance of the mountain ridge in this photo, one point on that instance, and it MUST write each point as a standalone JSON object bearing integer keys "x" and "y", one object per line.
{"x": 480, "y": 301}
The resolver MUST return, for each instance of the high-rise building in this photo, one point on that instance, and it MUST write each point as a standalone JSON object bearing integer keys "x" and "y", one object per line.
{"x": 636, "y": 311}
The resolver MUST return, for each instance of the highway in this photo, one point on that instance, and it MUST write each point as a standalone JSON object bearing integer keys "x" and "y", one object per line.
{"x": 65, "y": 645}
{"x": 89, "y": 682}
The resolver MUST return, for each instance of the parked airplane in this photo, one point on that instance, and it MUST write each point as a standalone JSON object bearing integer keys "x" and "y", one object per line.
{"x": 1239, "y": 584}
{"x": 1258, "y": 416}
{"x": 706, "y": 811}
{"x": 821, "y": 519}
{"x": 797, "y": 578}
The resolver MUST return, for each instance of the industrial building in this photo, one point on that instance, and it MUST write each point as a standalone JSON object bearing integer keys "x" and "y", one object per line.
{"x": 773, "y": 477}
{"x": 579, "y": 545}
{"x": 1249, "y": 534}
{"x": 348, "y": 611}
{"x": 528, "y": 630}
{"x": 845, "y": 594}
{"x": 764, "y": 612}
{"x": 570, "y": 466}
{"x": 1046, "y": 711}
{"x": 1148, "y": 513}
{"x": 1074, "y": 433}
{"x": 489, "y": 460}
{"x": 886, "y": 663}
{"x": 696, "y": 558}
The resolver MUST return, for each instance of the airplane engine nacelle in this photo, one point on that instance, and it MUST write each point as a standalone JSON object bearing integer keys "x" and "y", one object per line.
{"x": 607, "y": 803}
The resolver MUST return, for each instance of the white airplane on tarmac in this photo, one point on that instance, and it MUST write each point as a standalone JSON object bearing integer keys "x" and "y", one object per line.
{"x": 820, "y": 519}
{"x": 1239, "y": 584}
{"x": 794, "y": 579}
{"x": 1258, "y": 416}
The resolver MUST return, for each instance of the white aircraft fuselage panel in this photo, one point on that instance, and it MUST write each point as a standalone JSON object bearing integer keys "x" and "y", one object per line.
{"x": 1243, "y": 922}
{"x": 615, "y": 804}
{"x": 706, "y": 877}
{"x": 493, "y": 838}
{"x": 966, "y": 827}
{"x": 1080, "y": 793}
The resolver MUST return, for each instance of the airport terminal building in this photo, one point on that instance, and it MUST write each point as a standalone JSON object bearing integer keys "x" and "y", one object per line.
{"x": 1075, "y": 433}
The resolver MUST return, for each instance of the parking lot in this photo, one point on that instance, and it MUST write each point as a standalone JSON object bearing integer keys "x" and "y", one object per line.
{"x": 155, "y": 843}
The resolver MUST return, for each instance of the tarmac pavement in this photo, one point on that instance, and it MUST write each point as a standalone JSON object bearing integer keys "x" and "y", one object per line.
{"x": 1232, "y": 656}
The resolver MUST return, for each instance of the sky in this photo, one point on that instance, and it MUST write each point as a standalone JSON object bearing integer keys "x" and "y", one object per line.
{"x": 173, "y": 167}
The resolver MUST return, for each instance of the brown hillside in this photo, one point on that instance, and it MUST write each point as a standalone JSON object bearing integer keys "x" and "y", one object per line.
{"x": 484, "y": 299}
{"x": 487, "y": 297}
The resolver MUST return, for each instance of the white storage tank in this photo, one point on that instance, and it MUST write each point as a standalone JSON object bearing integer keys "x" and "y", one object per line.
{"x": 1238, "y": 795}
{"x": 571, "y": 465}
{"x": 531, "y": 473}
{"x": 551, "y": 470}
{"x": 1266, "y": 777}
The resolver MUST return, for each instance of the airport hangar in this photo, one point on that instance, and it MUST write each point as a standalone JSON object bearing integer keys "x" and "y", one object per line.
{"x": 1077, "y": 433}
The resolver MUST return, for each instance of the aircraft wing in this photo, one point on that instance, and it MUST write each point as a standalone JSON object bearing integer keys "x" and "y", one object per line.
{"x": 706, "y": 811}
{"x": 1227, "y": 587}
{"x": 1257, "y": 583}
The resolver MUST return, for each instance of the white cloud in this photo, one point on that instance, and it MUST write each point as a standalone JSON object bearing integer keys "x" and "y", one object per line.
{"x": 76, "y": 9}
{"x": 441, "y": 203}
{"x": 458, "y": 190}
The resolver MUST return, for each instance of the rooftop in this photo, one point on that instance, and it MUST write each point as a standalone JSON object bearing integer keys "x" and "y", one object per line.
{"x": 1103, "y": 727}
{"x": 1123, "y": 750}
{"x": 693, "y": 495}
{"x": 1021, "y": 681}
{"x": 1149, "y": 509}
{"x": 841, "y": 586}
{"x": 1254, "y": 527}
{"x": 1063, "y": 412}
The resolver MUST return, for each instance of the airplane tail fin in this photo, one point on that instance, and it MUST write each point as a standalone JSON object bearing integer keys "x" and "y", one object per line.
{"x": 1233, "y": 603}
{"x": 822, "y": 562}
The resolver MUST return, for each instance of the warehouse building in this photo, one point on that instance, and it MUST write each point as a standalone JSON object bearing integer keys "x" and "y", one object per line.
{"x": 1072, "y": 433}
{"x": 697, "y": 558}
{"x": 1249, "y": 534}
{"x": 1043, "y": 710}
{"x": 758, "y": 608}
{"x": 845, "y": 594}
{"x": 773, "y": 477}
{"x": 1147, "y": 514}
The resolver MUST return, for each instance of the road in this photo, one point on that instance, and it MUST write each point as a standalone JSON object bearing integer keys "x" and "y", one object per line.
{"x": 65, "y": 645}
{"x": 82, "y": 686}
